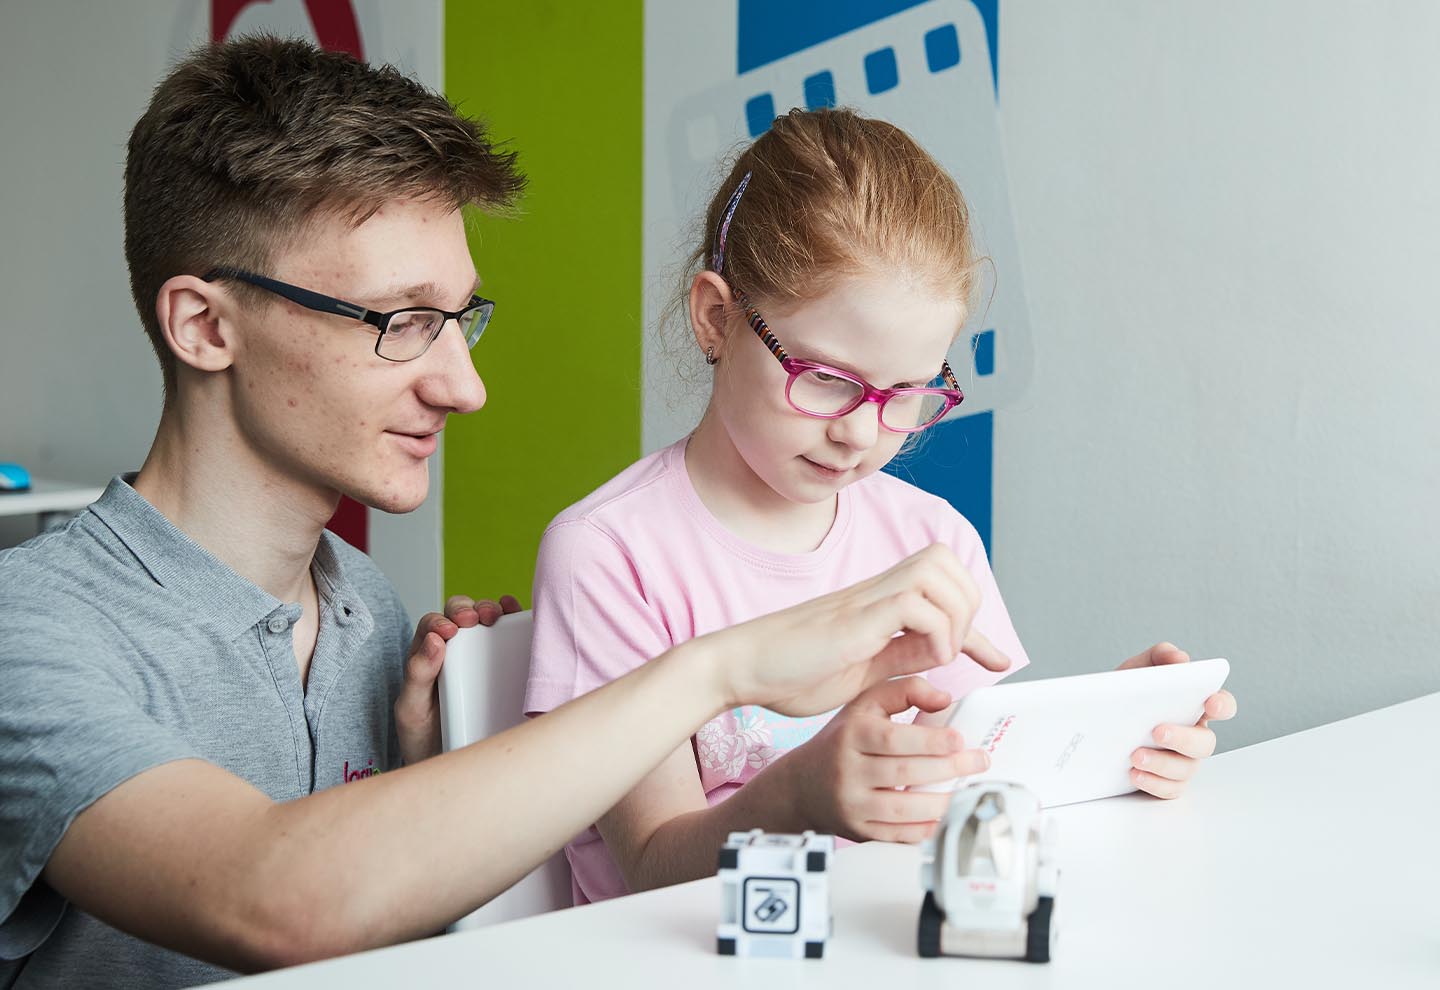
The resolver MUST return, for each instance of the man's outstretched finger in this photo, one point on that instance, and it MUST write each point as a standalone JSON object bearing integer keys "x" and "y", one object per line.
{"x": 978, "y": 648}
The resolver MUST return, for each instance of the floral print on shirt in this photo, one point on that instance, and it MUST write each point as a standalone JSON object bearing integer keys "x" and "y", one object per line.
{"x": 736, "y": 745}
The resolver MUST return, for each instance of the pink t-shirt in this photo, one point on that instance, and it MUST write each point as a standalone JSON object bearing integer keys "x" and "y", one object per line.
{"x": 641, "y": 565}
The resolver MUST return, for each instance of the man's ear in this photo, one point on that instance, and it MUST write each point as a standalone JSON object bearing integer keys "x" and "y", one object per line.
{"x": 194, "y": 320}
{"x": 710, "y": 302}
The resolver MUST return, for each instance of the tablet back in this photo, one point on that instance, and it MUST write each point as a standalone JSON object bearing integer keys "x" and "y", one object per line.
{"x": 1070, "y": 739}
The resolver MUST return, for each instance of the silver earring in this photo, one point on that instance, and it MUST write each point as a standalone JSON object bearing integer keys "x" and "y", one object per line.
{"x": 710, "y": 357}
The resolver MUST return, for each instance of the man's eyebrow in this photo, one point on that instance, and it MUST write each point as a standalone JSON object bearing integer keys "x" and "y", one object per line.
{"x": 421, "y": 293}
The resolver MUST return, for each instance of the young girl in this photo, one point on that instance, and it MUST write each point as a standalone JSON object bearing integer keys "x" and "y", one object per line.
{"x": 834, "y": 275}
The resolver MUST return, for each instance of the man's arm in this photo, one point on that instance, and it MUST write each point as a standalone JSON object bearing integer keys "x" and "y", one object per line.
{"x": 195, "y": 859}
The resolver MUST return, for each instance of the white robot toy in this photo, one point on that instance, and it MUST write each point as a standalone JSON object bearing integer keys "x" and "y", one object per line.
{"x": 990, "y": 875}
{"x": 775, "y": 895}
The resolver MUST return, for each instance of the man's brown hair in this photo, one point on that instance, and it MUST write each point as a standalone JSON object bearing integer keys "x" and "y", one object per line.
{"x": 247, "y": 141}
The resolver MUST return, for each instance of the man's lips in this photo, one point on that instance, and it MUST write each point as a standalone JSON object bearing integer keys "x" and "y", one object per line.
{"x": 418, "y": 444}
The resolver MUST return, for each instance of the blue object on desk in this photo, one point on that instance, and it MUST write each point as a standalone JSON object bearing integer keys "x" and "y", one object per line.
{"x": 14, "y": 478}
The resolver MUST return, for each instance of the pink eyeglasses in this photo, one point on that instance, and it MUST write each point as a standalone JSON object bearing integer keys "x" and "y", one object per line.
{"x": 829, "y": 393}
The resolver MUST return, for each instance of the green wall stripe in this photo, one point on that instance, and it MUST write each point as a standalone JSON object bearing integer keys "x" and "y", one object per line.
{"x": 562, "y": 359}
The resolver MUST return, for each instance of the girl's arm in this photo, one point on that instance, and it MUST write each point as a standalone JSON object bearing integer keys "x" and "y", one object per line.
{"x": 842, "y": 781}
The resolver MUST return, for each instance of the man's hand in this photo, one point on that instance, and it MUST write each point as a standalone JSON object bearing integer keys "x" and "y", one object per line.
{"x": 417, "y": 710}
{"x": 818, "y": 655}
{"x": 1165, "y": 770}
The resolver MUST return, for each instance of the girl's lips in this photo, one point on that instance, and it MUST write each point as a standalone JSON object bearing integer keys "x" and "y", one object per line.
{"x": 825, "y": 470}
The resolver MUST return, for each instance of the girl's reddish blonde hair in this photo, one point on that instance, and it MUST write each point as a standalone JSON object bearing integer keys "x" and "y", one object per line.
{"x": 833, "y": 194}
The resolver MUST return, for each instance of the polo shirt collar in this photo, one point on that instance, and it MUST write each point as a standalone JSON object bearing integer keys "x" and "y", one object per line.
{"x": 220, "y": 595}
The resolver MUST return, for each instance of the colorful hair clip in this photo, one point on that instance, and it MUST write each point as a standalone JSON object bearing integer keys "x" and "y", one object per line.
{"x": 717, "y": 254}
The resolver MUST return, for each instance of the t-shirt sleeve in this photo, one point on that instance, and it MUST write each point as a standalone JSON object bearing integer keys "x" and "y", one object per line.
{"x": 593, "y": 622}
{"x": 964, "y": 675}
{"x": 70, "y": 731}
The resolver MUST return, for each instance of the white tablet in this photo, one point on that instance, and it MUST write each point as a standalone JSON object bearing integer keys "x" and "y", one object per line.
{"x": 1069, "y": 739}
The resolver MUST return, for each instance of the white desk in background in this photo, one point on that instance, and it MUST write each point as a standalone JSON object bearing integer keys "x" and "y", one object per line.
{"x": 1308, "y": 861}
{"x": 48, "y": 499}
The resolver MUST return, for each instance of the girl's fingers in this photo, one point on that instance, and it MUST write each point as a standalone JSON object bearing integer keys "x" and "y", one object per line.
{"x": 1158, "y": 655}
{"x": 1161, "y": 787}
{"x": 421, "y": 669}
{"x": 1164, "y": 653}
{"x": 465, "y": 611}
{"x": 882, "y": 737}
{"x": 431, "y": 622}
{"x": 910, "y": 833}
{"x": 899, "y": 695}
{"x": 460, "y": 609}
{"x": 917, "y": 771}
{"x": 1159, "y": 763}
{"x": 1194, "y": 741}
{"x": 1220, "y": 706}
{"x": 886, "y": 807}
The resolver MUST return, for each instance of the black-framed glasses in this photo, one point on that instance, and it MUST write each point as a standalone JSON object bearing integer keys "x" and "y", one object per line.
{"x": 404, "y": 334}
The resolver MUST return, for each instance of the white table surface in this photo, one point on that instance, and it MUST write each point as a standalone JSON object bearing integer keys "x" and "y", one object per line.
{"x": 48, "y": 496}
{"x": 1306, "y": 861}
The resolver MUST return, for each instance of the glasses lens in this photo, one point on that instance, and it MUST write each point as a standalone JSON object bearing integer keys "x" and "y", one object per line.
{"x": 409, "y": 332}
{"x": 474, "y": 321}
{"x": 823, "y": 394}
{"x": 913, "y": 409}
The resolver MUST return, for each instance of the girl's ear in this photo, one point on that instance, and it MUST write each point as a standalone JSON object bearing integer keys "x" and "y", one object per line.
{"x": 710, "y": 301}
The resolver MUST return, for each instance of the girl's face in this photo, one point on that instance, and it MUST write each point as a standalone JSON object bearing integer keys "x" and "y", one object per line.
{"x": 888, "y": 332}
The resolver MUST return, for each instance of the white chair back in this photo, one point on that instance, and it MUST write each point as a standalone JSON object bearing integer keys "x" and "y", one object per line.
{"x": 482, "y": 692}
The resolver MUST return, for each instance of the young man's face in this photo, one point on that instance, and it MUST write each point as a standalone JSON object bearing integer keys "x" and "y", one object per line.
{"x": 311, "y": 395}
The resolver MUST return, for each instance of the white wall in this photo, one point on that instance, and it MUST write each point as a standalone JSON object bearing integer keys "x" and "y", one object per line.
{"x": 1228, "y": 215}
{"x": 79, "y": 386}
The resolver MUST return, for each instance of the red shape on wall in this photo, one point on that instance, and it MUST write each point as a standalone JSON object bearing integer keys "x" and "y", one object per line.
{"x": 351, "y": 522}
{"x": 337, "y": 30}
{"x": 334, "y": 21}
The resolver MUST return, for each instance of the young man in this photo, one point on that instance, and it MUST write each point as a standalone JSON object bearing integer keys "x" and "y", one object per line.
{"x": 192, "y": 664}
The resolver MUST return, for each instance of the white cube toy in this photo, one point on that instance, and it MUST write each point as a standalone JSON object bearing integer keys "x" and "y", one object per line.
{"x": 775, "y": 895}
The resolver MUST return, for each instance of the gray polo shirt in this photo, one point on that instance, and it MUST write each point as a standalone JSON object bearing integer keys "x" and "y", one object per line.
{"x": 124, "y": 645}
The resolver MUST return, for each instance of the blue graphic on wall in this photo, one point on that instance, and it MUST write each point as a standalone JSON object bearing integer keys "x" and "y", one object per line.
{"x": 929, "y": 66}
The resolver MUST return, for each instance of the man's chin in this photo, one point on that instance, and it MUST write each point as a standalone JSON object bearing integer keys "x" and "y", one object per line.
{"x": 396, "y": 505}
{"x": 394, "y": 499}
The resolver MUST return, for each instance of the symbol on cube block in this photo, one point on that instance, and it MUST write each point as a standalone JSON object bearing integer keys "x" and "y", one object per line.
{"x": 772, "y": 904}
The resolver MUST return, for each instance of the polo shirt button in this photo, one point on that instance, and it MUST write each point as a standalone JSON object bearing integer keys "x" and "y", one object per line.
{"x": 277, "y": 624}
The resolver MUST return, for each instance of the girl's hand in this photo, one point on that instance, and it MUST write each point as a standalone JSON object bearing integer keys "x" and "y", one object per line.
{"x": 818, "y": 655}
{"x": 849, "y": 779}
{"x": 1165, "y": 770}
{"x": 417, "y": 709}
